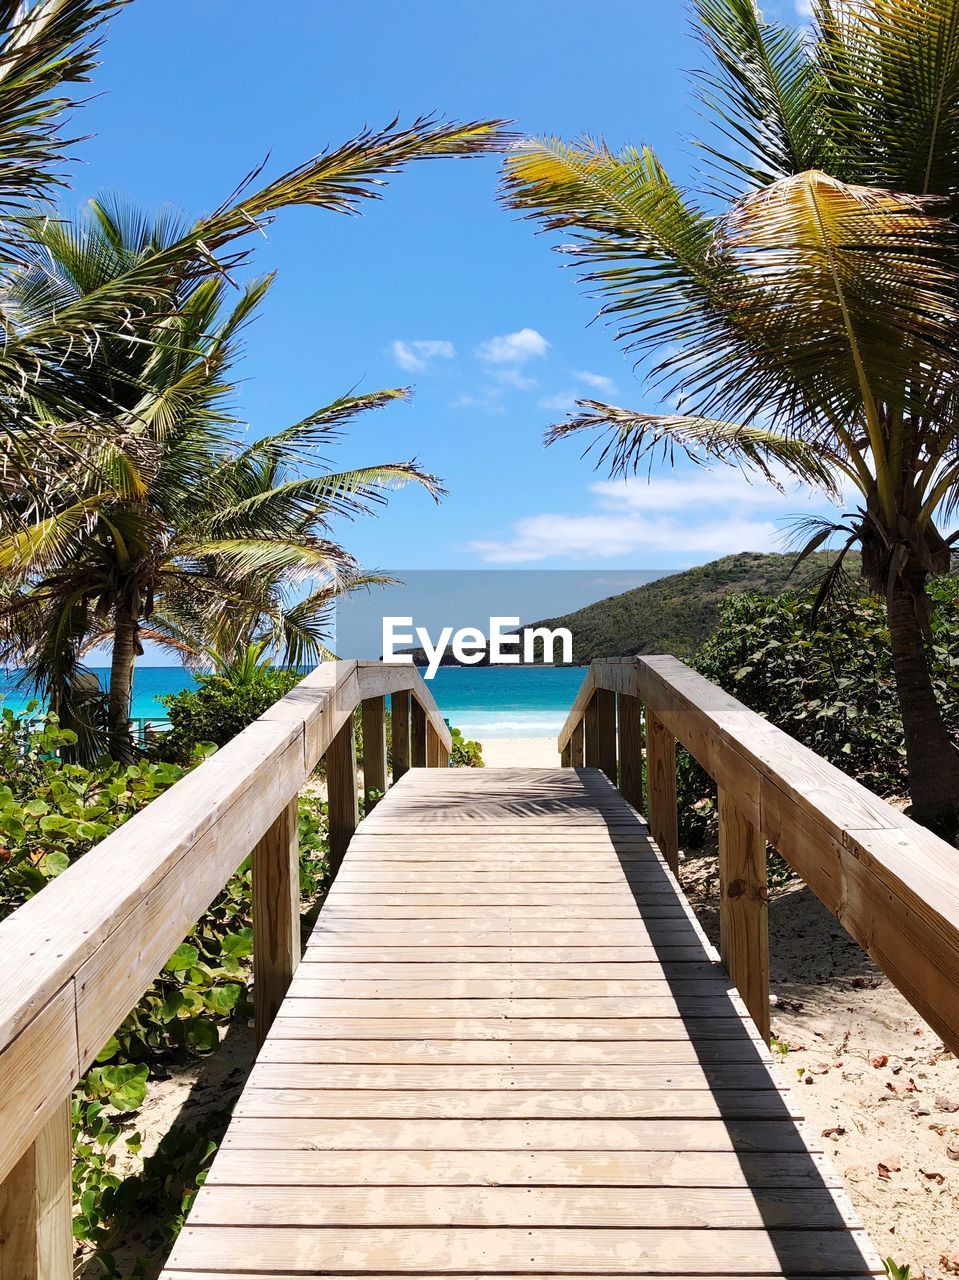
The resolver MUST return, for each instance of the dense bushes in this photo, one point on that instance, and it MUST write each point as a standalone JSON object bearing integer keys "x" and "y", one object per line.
{"x": 51, "y": 811}
{"x": 829, "y": 683}
{"x": 222, "y": 704}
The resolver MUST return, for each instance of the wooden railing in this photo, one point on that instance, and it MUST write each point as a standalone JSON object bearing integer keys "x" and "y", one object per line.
{"x": 891, "y": 883}
{"x": 76, "y": 958}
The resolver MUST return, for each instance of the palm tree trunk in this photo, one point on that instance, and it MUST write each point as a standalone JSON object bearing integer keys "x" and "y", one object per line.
{"x": 932, "y": 759}
{"x": 121, "y": 686}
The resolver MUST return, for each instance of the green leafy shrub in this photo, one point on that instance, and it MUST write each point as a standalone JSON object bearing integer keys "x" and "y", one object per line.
{"x": 52, "y": 811}
{"x": 466, "y": 754}
{"x": 827, "y": 683}
{"x": 830, "y": 683}
{"x": 221, "y": 706}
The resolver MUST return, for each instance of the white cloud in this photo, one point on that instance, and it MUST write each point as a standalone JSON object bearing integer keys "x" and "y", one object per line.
{"x": 421, "y": 353}
{"x": 513, "y": 348}
{"x": 699, "y": 513}
{"x": 599, "y": 381}
{"x": 695, "y": 490}
{"x": 594, "y": 537}
{"x": 562, "y": 402}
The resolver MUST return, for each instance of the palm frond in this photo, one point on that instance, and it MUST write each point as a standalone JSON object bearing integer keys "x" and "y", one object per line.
{"x": 762, "y": 92}
{"x": 892, "y": 68}
{"x": 636, "y": 437}
{"x": 45, "y": 45}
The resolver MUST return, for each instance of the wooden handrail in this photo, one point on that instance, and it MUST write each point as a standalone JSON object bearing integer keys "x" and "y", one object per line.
{"x": 76, "y": 957}
{"x": 892, "y": 884}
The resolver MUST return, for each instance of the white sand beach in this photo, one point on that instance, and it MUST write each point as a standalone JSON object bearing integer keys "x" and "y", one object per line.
{"x": 531, "y": 753}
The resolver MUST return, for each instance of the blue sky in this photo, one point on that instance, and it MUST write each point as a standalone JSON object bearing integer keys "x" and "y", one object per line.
{"x": 436, "y": 285}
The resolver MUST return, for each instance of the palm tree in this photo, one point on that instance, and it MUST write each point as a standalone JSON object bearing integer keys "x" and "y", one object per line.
{"x": 803, "y": 310}
{"x": 182, "y": 535}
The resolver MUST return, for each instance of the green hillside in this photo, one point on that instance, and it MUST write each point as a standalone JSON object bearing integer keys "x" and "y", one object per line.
{"x": 675, "y": 614}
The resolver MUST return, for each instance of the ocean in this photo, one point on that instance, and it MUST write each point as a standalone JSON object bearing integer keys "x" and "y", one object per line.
{"x": 485, "y": 702}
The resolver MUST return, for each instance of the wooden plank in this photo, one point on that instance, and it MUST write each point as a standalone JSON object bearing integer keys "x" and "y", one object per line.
{"x": 661, "y": 789}
{"x": 50, "y": 1039}
{"x": 743, "y": 909}
{"x": 658, "y": 1170}
{"x": 36, "y": 1208}
{"x": 560, "y": 1251}
{"x": 577, "y": 713}
{"x": 417, "y": 739}
{"x": 528, "y": 1206}
{"x": 376, "y": 969}
{"x": 604, "y": 704}
{"x": 577, "y": 746}
{"x": 662, "y": 1054}
{"x": 579, "y": 988}
{"x": 302, "y": 1022}
{"x": 552, "y": 1078}
{"x": 432, "y": 1134}
{"x": 496, "y": 1104}
{"x": 630, "y": 728}
{"x": 400, "y": 732}
{"x": 276, "y": 915}
{"x": 341, "y": 781}
{"x": 327, "y": 949}
{"x": 373, "y": 721}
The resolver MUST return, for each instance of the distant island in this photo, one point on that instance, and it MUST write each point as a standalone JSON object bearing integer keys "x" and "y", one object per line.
{"x": 676, "y": 613}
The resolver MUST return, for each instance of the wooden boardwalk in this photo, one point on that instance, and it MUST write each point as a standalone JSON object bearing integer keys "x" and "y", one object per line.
{"x": 509, "y": 1050}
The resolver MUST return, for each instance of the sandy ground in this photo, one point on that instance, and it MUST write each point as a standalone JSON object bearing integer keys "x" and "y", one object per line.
{"x": 520, "y": 753}
{"x": 874, "y": 1080}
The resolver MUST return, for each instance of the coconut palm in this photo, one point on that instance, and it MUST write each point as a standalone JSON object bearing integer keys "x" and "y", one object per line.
{"x": 802, "y": 310}
{"x": 184, "y": 535}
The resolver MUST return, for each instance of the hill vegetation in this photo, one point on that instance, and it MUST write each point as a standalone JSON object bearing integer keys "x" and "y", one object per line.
{"x": 677, "y": 613}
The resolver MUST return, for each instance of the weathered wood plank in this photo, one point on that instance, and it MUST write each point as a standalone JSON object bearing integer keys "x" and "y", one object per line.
{"x": 633, "y": 1104}
{"x": 661, "y": 789}
{"x": 36, "y": 1209}
{"x": 400, "y": 732}
{"x": 743, "y": 908}
{"x": 417, "y": 740}
{"x": 373, "y": 723}
{"x": 276, "y": 916}
{"x": 432, "y": 1134}
{"x": 341, "y": 781}
{"x": 528, "y": 1206}
{"x": 697, "y": 1169}
{"x": 559, "y": 1251}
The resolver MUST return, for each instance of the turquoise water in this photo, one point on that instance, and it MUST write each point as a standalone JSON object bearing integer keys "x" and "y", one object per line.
{"x": 485, "y": 702}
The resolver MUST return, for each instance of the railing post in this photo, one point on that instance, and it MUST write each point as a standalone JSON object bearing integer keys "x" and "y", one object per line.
{"x": 601, "y": 733}
{"x": 577, "y": 745}
{"x": 434, "y": 749}
{"x": 661, "y": 789}
{"x": 630, "y": 723}
{"x": 400, "y": 732}
{"x": 417, "y": 735}
{"x": 743, "y": 909}
{"x": 276, "y": 916}
{"x": 344, "y": 813}
{"x": 373, "y": 718}
{"x": 566, "y": 755}
{"x": 36, "y": 1210}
